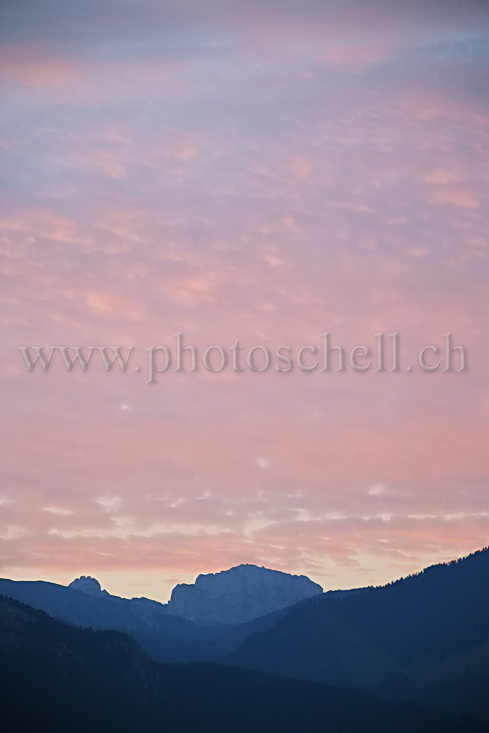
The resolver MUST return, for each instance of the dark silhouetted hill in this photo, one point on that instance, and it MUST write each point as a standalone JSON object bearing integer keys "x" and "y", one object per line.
{"x": 166, "y": 637}
{"x": 58, "y": 678}
{"x": 425, "y": 637}
{"x": 185, "y": 629}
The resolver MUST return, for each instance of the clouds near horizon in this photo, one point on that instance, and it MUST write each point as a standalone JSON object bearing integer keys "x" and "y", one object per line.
{"x": 264, "y": 176}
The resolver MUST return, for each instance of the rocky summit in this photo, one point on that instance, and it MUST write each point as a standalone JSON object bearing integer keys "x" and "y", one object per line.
{"x": 239, "y": 594}
{"x": 86, "y": 584}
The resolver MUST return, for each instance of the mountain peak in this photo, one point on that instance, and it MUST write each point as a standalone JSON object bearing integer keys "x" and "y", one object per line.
{"x": 252, "y": 572}
{"x": 239, "y": 594}
{"x": 87, "y": 584}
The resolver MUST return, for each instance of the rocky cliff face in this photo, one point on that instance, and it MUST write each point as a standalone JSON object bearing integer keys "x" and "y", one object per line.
{"x": 232, "y": 596}
{"x": 86, "y": 584}
{"x": 239, "y": 594}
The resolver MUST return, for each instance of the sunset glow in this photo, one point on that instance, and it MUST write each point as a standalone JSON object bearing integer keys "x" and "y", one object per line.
{"x": 266, "y": 172}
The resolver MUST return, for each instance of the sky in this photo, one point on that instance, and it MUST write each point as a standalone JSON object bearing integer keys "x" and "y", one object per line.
{"x": 259, "y": 171}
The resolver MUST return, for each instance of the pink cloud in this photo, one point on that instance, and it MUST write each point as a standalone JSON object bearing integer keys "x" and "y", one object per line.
{"x": 244, "y": 182}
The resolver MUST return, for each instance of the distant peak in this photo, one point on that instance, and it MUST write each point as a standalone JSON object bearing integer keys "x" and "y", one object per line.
{"x": 239, "y": 594}
{"x": 247, "y": 569}
{"x": 87, "y": 584}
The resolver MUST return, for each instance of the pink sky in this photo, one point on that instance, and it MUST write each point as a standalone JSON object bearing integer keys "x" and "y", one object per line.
{"x": 258, "y": 171}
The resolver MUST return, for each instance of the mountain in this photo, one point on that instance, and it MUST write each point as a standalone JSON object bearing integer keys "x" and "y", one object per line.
{"x": 189, "y": 627}
{"x": 84, "y": 603}
{"x": 164, "y": 636}
{"x": 60, "y": 678}
{"x": 239, "y": 594}
{"x": 425, "y": 638}
{"x": 230, "y": 638}
{"x": 87, "y": 584}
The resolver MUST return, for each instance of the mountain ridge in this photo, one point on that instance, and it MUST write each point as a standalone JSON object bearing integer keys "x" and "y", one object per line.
{"x": 165, "y": 635}
{"x": 57, "y": 677}
{"x": 422, "y": 637}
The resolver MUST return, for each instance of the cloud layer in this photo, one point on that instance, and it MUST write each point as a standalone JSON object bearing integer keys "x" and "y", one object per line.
{"x": 266, "y": 178}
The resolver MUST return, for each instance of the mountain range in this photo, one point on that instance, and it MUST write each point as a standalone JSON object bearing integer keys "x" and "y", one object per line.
{"x": 60, "y": 678}
{"x": 425, "y": 638}
{"x": 422, "y": 639}
{"x": 191, "y": 627}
